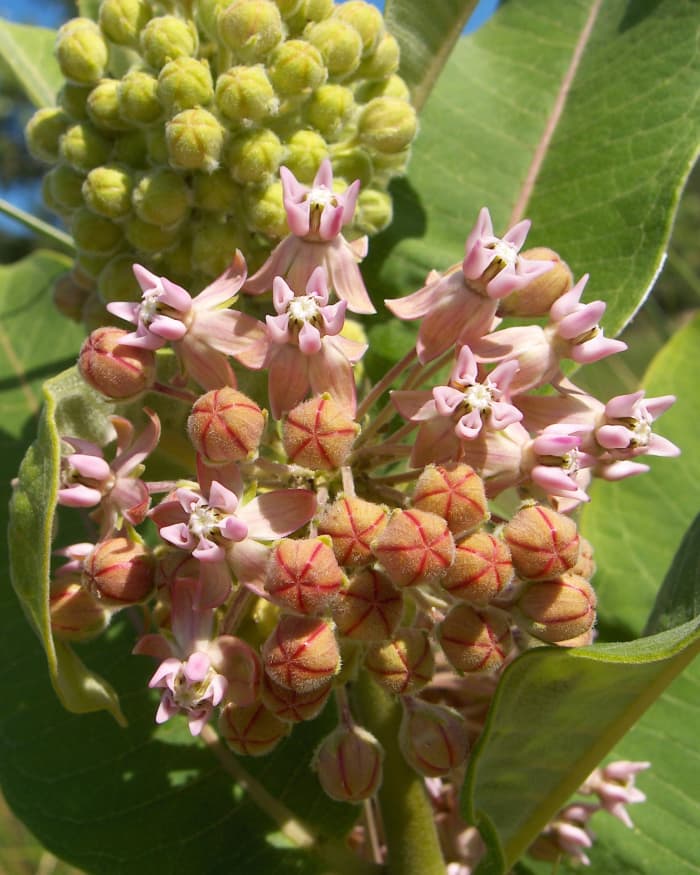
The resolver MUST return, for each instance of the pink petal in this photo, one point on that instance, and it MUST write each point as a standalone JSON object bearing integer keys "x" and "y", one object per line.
{"x": 436, "y": 441}
{"x": 331, "y": 372}
{"x": 153, "y": 645}
{"x": 215, "y": 586}
{"x": 345, "y": 277}
{"x": 166, "y": 709}
{"x": 175, "y": 296}
{"x": 503, "y": 415}
{"x": 125, "y": 461}
{"x": 465, "y": 369}
{"x": 276, "y": 265}
{"x": 225, "y": 287}
{"x": 324, "y": 175}
{"x": 132, "y": 498}
{"x": 165, "y": 672}
{"x": 414, "y": 404}
{"x": 661, "y": 446}
{"x": 309, "y": 339}
{"x": 291, "y": 187}
{"x": 179, "y": 535}
{"x": 447, "y": 400}
{"x": 599, "y": 347}
{"x": 228, "y": 331}
{"x": 233, "y": 529}
{"x": 288, "y": 380}
{"x": 568, "y": 303}
{"x": 79, "y": 496}
{"x": 625, "y": 406}
{"x": 207, "y": 551}
{"x": 167, "y": 327}
{"x": 124, "y": 310}
{"x": 613, "y": 437}
{"x": 145, "y": 278}
{"x": 197, "y": 667}
{"x": 222, "y": 498}
{"x": 581, "y": 320}
{"x": 249, "y": 561}
{"x": 229, "y": 475}
{"x": 281, "y": 294}
{"x": 469, "y": 425}
{"x": 197, "y": 720}
{"x": 517, "y": 234}
{"x": 555, "y": 481}
{"x": 656, "y": 406}
{"x": 279, "y": 513}
{"x": 208, "y": 368}
{"x": 353, "y": 350}
{"x": 334, "y": 317}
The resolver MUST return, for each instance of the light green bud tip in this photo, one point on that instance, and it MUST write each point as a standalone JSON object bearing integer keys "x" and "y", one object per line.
{"x": 352, "y": 164}
{"x": 374, "y": 211}
{"x": 162, "y": 198}
{"x": 367, "y": 20}
{"x": 165, "y": 38}
{"x": 296, "y": 68}
{"x": 213, "y": 242}
{"x": 117, "y": 282}
{"x": 176, "y": 263}
{"x": 138, "y": 98}
{"x": 195, "y": 139}
{"x": 103, "y": 106}
{"x": 288, "y": 7}
{"x": 93, "y": 234}
{"x": 340, "y": 46}
{"x": 81, "y": 51}
{"x": 245, "y": 94}
{"x": 73, "y": 99}
{"x": 384, "y": 61}
{"x": 185, "y": 83}
{"x": 330, "y": 109}
{"x": 251, "y": 29}
{"x": 149, "y": 238}
{"x": 255, "y": 157}
{"x": 123, "y": 20}
{"x": 309, "y": 11}
{"x": 156, "y": 146}
{"x": 216, "y": 192}
{"x": 394, "y": 86}
{"x": 306, "y": 151}
{"x": 65, "y": 187}
{"x": 387, "y": 125}
{"x": 83, "y": 147}
{"x": 265, "y": 211}
{"x": 44, "y": 131}
{"x": 207, "y": 15}
{"x": 107, "y": 191}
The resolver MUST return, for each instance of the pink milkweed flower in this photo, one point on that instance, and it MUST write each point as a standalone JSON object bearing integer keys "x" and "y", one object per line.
{"x": 316, "y": 216}
{"x": 114, "y": 488}
{"x": 614, "y": 786}
{"x": 555, "y": 463}
{"x": 569, "y": 831}
{"x": 460, "y": 306}
{"x": 626, "y": 430}
{"x": 305, "y": 350}
{"x": 458, "y": 412}
{"x": 201, "y": 331}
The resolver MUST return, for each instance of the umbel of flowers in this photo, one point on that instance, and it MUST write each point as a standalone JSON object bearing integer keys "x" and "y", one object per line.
{"x": 353, "y": 522}
{"x": 168, "y": 134}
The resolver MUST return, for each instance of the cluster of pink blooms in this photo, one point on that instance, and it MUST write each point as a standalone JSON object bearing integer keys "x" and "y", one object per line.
{"x": 305, "y": 523}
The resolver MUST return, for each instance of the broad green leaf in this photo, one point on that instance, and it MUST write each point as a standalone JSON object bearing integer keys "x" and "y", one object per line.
{"x": 28, "y": 52}
{"x": 581, "y": 115}
{"x": 426, "y": 33}
{"x": 636, "y": 525}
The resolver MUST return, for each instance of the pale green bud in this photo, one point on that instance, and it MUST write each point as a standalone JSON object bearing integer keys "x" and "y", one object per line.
{"x": 104, "y": 106}
{"x": 83, "y": 147}
{"x": 245, "y": 94}
{"x": 330, "y": 109}
{"x": 162, "y": 198}
{"x": 131, "y": 149}
{"x": 123, "y": 20}
{"x": 288, "y": 8}
{"x": 185, "y": 83}
{"x": 308, "y": 12}
{"x": 73, "y": 99}
{"x": 216, "y": 192}
{"x": 296, "y": 68}
{"x": 117, "y": 282}
{"x": 88, "y": 267}
{"x": 387, "y": 125}
{"x": 107, "y": 191}
{"x": 213, "y": 245}
{"x": 147, "y": 237}
{"x": 255, "y": 157}
{"x": 138, "y": 98}
{"x": 384, "y": 61}
{"x": 207, "y": 15}
{"x": 386, "y": 165}
{"x": 340, "y": 46}
{"x": 394, "y": 86}
{"x": 195, "y": 139}
{"x": 351, "y": 164}
{"x": 306, "y": 151}
{"x": 64, "y": 185}
{"x": 265, "y": 211}
{"x": 367, "y": 20}
{"x": 49, "y": 200}
{"x": 93, "y": 234}
{"x": 374, "y": 211}
{"x": 176, "y": 263}
{"x": 251, "y": 29}
{"x": 44, "y": 131}
{"x": 165, "y": 38}
{"x": 157, "y": 146}
{"x": 81, "y": 51}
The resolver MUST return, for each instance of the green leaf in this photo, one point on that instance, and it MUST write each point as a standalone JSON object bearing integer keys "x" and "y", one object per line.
{"x": 605, "y": 94}
{"x": 426, "y": 34}
{"x": 28, "y": 52}
{"x": 637, "y": 525}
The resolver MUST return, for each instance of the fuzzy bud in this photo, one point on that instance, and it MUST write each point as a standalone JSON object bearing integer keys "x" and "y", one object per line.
{"x": 138, "y": 98}
{"x": 307, "y": 12}
{"x": 293, "y": 707}
{"x": 330, "y": 110}
{"x": 81, "y": 51}
{"x": 75, "y": 615}
{"x": 254, "y": 157}
{"x": 123, "y": 20}
{"x": 394, "y": 86}
{"x": 251, "y": 29}
{"x": 305, "y": 152}
{"x": 349, "y": 764}
{"x": 415, "y": 547}
{"x": 375, "y": 210}
{"x": 65, "y": 186}
{"x": 165, "y": 38}
{"x": 148, "y": 238}
{"x": 216, "y": 192}
{"x": 115, "y": 371}
{"x": 184, "y": 83}
{"x": 44, "y": 131}
{"x": 387, "y": 125}
{"x": 383, "y": 61}
{"x": 543, "y": 543}
{"x": 475, "y": 640}
{"x": 225, "y": 426}
{"x": 301, "y": 654}
{"x": 404, "y": 664}
{"x": 585, "y": 566}
{"x": 557, "y": 610}
{"x": 536, "y": 298}
{"x": 95, "y": 235}
{"x": 162, "y": 198}
{"x": 245, "y": 94}
{"x": 251, "y": 731}
{"x": 104, "y": 106}
{"x": 195, "y": 139}
{"x": 318, "y": 434}
{"x": 353, "y": 524}
{"x": 354, "y": 163}
{"x": 119, "y": 572}
{"x": 366, "y": 19}
{"x": 339, "y": 44}
{"x": 83, "y": 147}
{"x": 296, "y": 68}
{"x": 213, "y": 242}
{"x": 481, "y": 570}
{"x": 73, "y": 99}
{"x": 265, "y": 211}
{"x": 433, "y": 738}
{"x": 456, "y": 493}
{"x": 107, "y": 191}
{"x": 303, "y": 576}
{"x": 369, "y": 608}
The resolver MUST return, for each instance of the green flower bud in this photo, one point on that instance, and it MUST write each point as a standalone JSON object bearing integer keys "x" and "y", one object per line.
{"x": 93, "y": 234}
{"x": 83, "y": 147}
{"x": 383, "y": 61}
{"x": 288, "y": 8}
{"x": 162, "y": 198}
{"x": 138, "y": 98}
{"x": 308, "y": 12}
{"x": 340, "y": 46}
{"x": 81, "y": 51}
{"x": 149, "y": 238}
{"x": 352, "y": 164}
{"x": 296, "y": 68}
{"x": 64, "y": 185}
{"x": 307, "y": 149}
{"x": 195, "y": 139}
{"x": 131, "y": 149}
{"x": 47, "y": 196}
{"x": 255, "y": 157}
{"x": 387, "y": 125}
{"x": 117, "y": 282}
{"x": 265, "y": 211}
{"x": 245, "y": 94}
{"x": 216, "y": 192}
{"x": 165, "y": 38}
{"x": 88, "y": 266}
{"x": 107, "y": 191}
{"x": 176, "y": 263}
{"x": 349, "y": 764}
{"x": 374, "y": 211}
{"x": 73, "y": 99}
{"x": 207, "y": 15}
{"x": 367, "y": 20}
{"x": 184, "y": 83}
{"x": 104, "y": 106}
{"x": 394, "y": 86}
{"x": 251, "y": 29}
{"x": 44, "y": 131}
{"x": 123, "y": 20}
{"x": 213, "y": 244}
{"x": 330, "y": 109}
{"x": 157, "y": 146}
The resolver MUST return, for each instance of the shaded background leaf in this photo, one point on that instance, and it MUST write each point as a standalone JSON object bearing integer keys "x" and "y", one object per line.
{"x": 28, "y": 52}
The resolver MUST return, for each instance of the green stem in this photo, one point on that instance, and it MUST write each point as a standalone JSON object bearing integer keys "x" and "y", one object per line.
{"x": 65, "y": 243}
{"x": 407, "y": 815}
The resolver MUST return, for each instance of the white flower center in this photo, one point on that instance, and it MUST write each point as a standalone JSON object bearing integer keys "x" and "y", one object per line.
{"x": 188, "y": 695}
{"x": 321, "y": 197}
{"x": 203, "y": 521}
{"x": 478, "y": 397}
{"x": 149, "y": 306}
{"x": 504, "y": 253}
{"x": 641, "y": 432}
{"x": 303, "y": 309}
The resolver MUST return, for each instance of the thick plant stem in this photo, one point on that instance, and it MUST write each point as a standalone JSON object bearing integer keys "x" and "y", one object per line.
{"x": 407, "y": 816}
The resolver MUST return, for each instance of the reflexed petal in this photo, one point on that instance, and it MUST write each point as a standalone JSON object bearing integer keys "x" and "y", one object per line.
{"x": 153, "y": 645}
{"x": 436, "y": 441}
{"x": 132, "y": 498}
{"x": 228, "y": 331}
{"x": 309, "y": 339}
{"x": 225, "y": 287}
{"x": 165, "y": 672}
{"x": 329, "y": 371}
{"x": 621, "y": 470}
{"x": 277, "y": 264}
{"x": 215, "y": 585}
{"x": 179, "y": 535}
{"x": 229, "y": 475}
{"x": 353, "y": 350}
{"x": 79, "y": 496}
{"x": 288, "y": 380}
{"x": 222, "y": 498}
{"x": 131, "y": 456}
{"x": 414, "y": 404}
{"x": 278, "y": 514}
{"x": 249, "y": 561}
{"x": 208, "y": 551}
{"x": 125, "y": 310}
{"x": 207, "y": 367}
{"x": 345, "y": 277}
